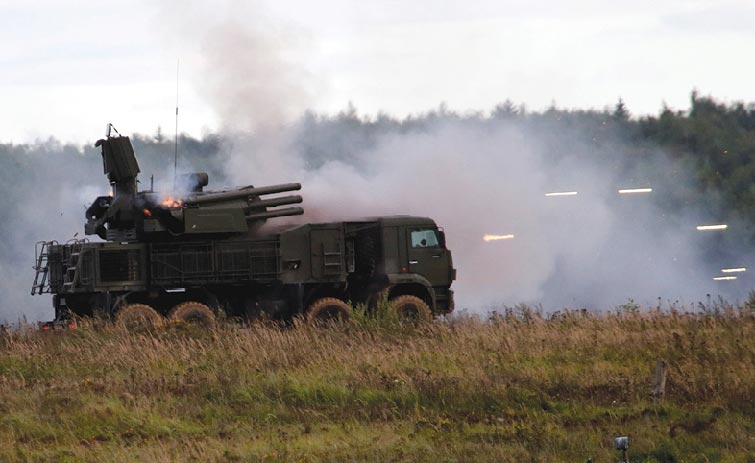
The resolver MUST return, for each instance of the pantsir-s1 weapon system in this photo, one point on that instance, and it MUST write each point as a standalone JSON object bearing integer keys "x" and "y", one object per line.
{"x": 193, "y": 254}
{"x": 130, "y": 215}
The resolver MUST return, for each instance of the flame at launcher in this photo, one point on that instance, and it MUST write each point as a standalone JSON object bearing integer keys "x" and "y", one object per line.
{"x": 170, "y": 201}
{"x": 488, "y": 238}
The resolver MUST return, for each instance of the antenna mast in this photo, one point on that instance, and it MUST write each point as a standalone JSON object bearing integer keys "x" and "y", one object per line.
{"x": 175, "y": 144}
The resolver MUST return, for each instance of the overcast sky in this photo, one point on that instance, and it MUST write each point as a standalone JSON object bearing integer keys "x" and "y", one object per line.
{"x": 69, "y": 67}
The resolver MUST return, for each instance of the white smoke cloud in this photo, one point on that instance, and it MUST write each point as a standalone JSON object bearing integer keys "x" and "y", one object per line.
{"x": 591, "y": 250}
{"x": 49, "y": 205}
{"x": 473, "y": 176}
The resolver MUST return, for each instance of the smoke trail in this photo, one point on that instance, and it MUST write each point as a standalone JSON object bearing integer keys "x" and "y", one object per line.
{"x": 248, "y": 65}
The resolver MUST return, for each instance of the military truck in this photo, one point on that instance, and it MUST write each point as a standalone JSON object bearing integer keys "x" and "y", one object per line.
{"x": 193, "y": 253}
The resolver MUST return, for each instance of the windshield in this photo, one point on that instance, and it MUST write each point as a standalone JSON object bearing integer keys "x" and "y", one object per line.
{"x": 425, "y": 239}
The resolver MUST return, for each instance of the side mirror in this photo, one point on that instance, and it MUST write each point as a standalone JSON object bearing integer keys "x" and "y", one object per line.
{"x": 442, "y": 238}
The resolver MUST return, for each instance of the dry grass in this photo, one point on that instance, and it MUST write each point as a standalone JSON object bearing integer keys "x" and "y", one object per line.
{"x": 517, "y": 387}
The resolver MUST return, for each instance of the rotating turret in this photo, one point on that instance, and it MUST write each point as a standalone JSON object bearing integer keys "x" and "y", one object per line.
{"x": 130, "y": 215}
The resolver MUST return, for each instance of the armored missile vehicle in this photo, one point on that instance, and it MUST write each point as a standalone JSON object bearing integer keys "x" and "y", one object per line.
{"x": 193, "y": 254}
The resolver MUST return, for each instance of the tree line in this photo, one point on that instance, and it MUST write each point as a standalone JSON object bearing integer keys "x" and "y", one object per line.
{"x": 712, "y": 140}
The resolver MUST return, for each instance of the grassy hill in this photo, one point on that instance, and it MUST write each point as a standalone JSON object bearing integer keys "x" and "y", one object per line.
{"x": 516, "y": 387}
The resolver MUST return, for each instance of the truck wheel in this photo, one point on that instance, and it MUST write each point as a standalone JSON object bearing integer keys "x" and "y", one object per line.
{"x": 192, "y": 312}
{"x": 411, "y": 308}
{"x": 138, "y": 316}
{"x": 329, "y": 309}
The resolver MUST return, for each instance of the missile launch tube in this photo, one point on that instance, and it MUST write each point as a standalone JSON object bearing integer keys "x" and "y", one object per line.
{"x": 273, "y": 202}
{"x": 276, "y": 213}
{"x": 240, "y": 193}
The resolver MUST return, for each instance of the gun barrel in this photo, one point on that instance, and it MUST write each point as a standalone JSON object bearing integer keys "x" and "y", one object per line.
{"x": 275, "y": 213}
{"x": 241, "y": 193}
{"x": 273, "y": 202}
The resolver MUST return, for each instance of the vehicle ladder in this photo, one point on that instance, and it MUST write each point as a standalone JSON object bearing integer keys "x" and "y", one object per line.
{"x": 41, "y": 252}
{"x": 71, "y": 277}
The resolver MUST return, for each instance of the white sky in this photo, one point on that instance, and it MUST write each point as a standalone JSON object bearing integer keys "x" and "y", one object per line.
{"x": 69, "y": 67}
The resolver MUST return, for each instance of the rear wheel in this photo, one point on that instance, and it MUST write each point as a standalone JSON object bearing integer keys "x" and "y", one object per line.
{"x": 192, "y": 312}
{"x": 412, "y": 309}
{"x": 138, "y": 316}
{"x": 329, "y": 309}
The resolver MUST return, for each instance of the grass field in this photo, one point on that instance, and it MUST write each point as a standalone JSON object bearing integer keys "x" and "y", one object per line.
{"x": 518, "y": 387}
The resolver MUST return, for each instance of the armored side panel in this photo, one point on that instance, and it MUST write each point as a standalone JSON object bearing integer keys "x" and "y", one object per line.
{"x": 328, "y": 252}
{"x": 81, "y": 267}
{"x": 214, "y": 220}
{"x": 121, "y": 266}
{"x": 315, "y": 253}
{"x": 214, "y": 262}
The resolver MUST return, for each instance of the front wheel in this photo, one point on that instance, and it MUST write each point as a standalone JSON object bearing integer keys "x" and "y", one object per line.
{"x": 412, "y": 309}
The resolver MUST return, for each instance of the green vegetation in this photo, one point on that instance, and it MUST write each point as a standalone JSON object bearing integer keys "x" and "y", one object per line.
{"x": 516, "y": 387}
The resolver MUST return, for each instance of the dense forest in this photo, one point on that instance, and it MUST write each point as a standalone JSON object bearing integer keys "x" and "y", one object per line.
{"x": 701, "y": 159}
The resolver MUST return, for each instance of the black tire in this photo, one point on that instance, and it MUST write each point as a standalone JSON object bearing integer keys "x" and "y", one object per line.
{"x": 412, "y": 309}
{"x": 138, "y": 316}
{"x": 192, "y": 312}
{"x": 328, "y": 309}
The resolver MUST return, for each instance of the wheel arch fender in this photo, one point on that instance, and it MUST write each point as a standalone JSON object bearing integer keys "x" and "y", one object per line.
{"x": 319, "y": 291}
{"x": 411, "y": 284}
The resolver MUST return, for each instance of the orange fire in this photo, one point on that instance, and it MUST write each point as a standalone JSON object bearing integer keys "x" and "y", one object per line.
{"x": 147, "y": 213}
{"x": 170, "y": 201}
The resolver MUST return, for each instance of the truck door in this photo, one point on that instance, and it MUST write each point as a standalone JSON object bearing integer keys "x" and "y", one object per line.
{"x": 427, "y": 256}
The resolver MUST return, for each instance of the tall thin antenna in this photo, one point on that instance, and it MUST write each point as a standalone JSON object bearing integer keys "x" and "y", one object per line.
{"x": 175, "y": 144}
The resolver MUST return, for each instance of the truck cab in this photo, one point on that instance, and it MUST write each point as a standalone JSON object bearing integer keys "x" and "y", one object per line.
{"x": 416, "y": 261}
{"x": 364, "y": 260}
